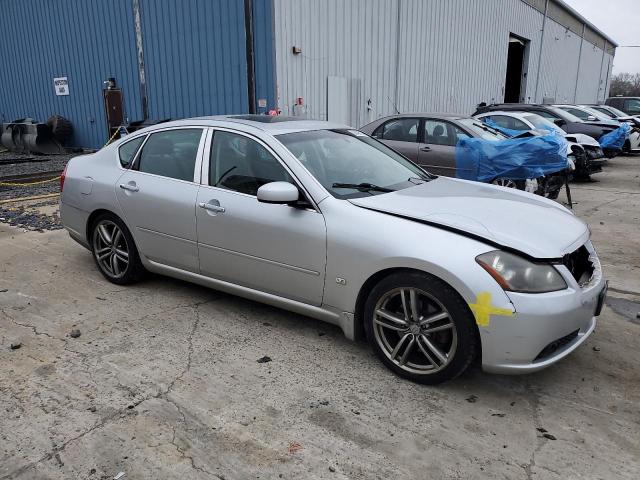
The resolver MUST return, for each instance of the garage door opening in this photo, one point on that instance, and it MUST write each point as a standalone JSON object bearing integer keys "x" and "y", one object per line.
{"x": 517, "y": 59}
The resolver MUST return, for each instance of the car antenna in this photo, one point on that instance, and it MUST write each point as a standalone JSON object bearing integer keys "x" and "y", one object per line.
{"x": 394, "y": 105}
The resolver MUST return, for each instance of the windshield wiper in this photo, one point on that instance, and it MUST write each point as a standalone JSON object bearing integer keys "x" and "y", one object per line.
{"x": 363, "y": 187}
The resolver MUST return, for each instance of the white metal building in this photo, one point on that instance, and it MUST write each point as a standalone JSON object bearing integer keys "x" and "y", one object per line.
{"x": 356, "y": 60}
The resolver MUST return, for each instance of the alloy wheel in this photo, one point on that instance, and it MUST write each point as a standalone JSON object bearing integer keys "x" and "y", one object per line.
{"x": 414, "y": 330}
{"x": 110, "y": 248}
{"x": 505, "y": 182}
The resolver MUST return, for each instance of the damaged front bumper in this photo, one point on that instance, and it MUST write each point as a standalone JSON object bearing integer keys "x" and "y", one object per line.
{"x": 546, "y": 327}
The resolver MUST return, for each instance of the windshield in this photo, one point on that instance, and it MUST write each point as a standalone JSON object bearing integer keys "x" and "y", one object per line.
{"x": 542, "y": 123}
{"x": 569, "y": 117}
{"x": 616, "y": 112}
{"x": 482, "y": 130}
{"x": 350, "y": 157}
{"x": 599, "y": 115}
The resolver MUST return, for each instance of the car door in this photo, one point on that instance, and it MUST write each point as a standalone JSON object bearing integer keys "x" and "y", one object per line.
{"x": 437, "y": 150}
{"x": 278, "y": 249}
{"x": 401, "y": 134}
{"x": 158, "y": 196}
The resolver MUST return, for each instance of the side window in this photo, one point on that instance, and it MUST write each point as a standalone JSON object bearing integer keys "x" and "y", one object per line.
{"x": 171, "y": 153}
{"x": 438, "y": 132}
{"x": 400, "y": 130}
{"x": 127, "y": 151}
{"x": 460, "y": 134}
{"x": 633, "y": 106}
{"x": 241, "y": 164}
{"x": 509, "y": 122}
{"x": 578, "y": 113}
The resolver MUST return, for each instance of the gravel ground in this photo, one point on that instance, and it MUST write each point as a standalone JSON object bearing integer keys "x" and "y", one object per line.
{"x": 32, "y": 217}
{"x": 23, "y": 166}
{"x": 38, "y": 163}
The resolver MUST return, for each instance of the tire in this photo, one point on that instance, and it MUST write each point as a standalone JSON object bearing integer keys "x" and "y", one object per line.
{"x": 61, "y": 128}
{"x": 120, "y": 264}
{"x": 457, "y": 344}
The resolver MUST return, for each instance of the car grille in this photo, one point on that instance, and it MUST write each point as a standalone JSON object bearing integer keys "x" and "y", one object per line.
{"x": 556, "y": 345}
{"x": 580, "y": 265}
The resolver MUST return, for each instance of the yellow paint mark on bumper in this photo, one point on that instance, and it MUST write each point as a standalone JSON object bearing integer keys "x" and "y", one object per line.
{"x": 483, "y": 309}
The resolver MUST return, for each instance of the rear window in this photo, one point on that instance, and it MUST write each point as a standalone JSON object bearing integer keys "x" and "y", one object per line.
{"x": 128, "y": 150}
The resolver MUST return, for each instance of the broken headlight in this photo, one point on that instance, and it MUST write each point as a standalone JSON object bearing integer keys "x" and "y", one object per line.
{"x": 517, "y": 274}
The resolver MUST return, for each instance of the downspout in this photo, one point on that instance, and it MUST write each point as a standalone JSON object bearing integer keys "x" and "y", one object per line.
{"x": 544, "y": 24}
{"x": 397, "y": 77}
{"x": 604, "y": 49}
{"x": 575, "y": 90}
{"x": 140, "y": 49}
{"x": 251, "y": 79}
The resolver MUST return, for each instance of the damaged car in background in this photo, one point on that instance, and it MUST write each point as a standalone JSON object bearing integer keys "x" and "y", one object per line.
{"x": 433, "y": 140}
{"x": 584, "y": 151}
{"x": 325, "y": 221}
{"x": 568, "y": 122}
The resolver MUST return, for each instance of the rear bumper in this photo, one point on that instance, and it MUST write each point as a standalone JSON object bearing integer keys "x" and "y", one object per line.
{"x": 545, "y": 328}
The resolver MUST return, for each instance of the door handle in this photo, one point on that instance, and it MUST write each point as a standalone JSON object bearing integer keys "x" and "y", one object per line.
{"x": 212, "y": 207}
{"x": 425, "y": 149}
{"x": 129, "y": 187}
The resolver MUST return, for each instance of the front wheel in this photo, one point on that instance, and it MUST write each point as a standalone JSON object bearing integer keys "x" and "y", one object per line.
{"x": 420, "y": 327}
{"x": 114, "y": 250}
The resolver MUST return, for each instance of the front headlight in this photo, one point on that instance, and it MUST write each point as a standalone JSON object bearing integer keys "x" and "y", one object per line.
{"x": 516, "y": 274}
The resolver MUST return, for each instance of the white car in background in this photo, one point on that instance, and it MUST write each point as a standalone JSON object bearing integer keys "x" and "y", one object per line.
{"x": 591, "y": 114}
{"x": 633, "y": 143}
{"x": 584, "y": 151}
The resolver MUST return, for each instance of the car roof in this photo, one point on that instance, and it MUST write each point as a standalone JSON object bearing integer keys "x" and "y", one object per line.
{"x": 450, "y": 116}
{"x": 512, "y": 113}
{"x": 274, "y": 125}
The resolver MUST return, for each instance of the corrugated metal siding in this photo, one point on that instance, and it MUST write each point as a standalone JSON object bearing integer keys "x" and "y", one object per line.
{"x": 449, "y": 55}
{"x": 85, "y": 40}
{"x": 354, "y": 39}
{"x": 195, "y": 57}
{"x": 264, "y": 53}
{"x": 560, "y": 63}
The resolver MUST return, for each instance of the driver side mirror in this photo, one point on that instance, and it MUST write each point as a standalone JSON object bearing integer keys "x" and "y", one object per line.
{"x": 560, "y": 122}
{"x": 591, "y": 118}
{"x": 278, "y": 193}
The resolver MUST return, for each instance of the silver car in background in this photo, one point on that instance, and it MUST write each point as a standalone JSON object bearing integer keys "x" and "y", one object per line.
{"x": 325, "y": 221}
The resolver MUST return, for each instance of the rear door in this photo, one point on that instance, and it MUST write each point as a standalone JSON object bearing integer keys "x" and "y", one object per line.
{"x": 437, "y": 150}
{"x": 401, "y": 134}
{"x": 158, "y": 196}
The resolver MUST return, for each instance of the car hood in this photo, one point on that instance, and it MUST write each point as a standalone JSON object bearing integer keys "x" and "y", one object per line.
{"x": 582, "y": 139}
{"x": 536, "y": 226}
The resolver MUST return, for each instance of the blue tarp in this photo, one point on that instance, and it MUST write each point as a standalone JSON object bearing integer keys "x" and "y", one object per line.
{"x": 615, "y": 139}
{"x": 514, "y": 158}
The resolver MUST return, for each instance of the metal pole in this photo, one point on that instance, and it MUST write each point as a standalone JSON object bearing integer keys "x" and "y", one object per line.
{"x": 397, "y": 72}
{"x": 604, "y": 49}
{"x": 141, "y": 72}
{"x": 575, "y": 91}
{"x": 544, "y": 23}
{"x": 251, "y": 79}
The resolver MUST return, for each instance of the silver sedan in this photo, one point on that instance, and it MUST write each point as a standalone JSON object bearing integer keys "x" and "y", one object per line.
{"x": 327, "y": 222}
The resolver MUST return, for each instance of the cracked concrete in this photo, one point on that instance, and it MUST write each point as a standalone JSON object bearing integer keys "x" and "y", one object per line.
{"x": 163, "y": 382}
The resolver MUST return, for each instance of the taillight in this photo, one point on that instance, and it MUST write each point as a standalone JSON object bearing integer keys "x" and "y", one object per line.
{"x": 62, "y": 177}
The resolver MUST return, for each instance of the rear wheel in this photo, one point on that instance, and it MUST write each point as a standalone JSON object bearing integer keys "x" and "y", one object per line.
{"x": 420, "y": 327}
{"x": 114, "y": 250}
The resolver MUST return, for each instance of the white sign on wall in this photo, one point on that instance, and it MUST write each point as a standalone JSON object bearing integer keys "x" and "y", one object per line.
{"x": 61, "y": 85}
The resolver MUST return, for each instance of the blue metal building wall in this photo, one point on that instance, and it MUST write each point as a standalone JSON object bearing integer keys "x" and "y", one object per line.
{"x": 195, "y": 57}
{"x": 85, "y": 40}
{"x": 264, "y": 54}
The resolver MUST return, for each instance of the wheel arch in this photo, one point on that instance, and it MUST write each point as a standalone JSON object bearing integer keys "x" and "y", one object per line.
{"x": 92, "y": 218}
{"x": 374, "y": 279}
